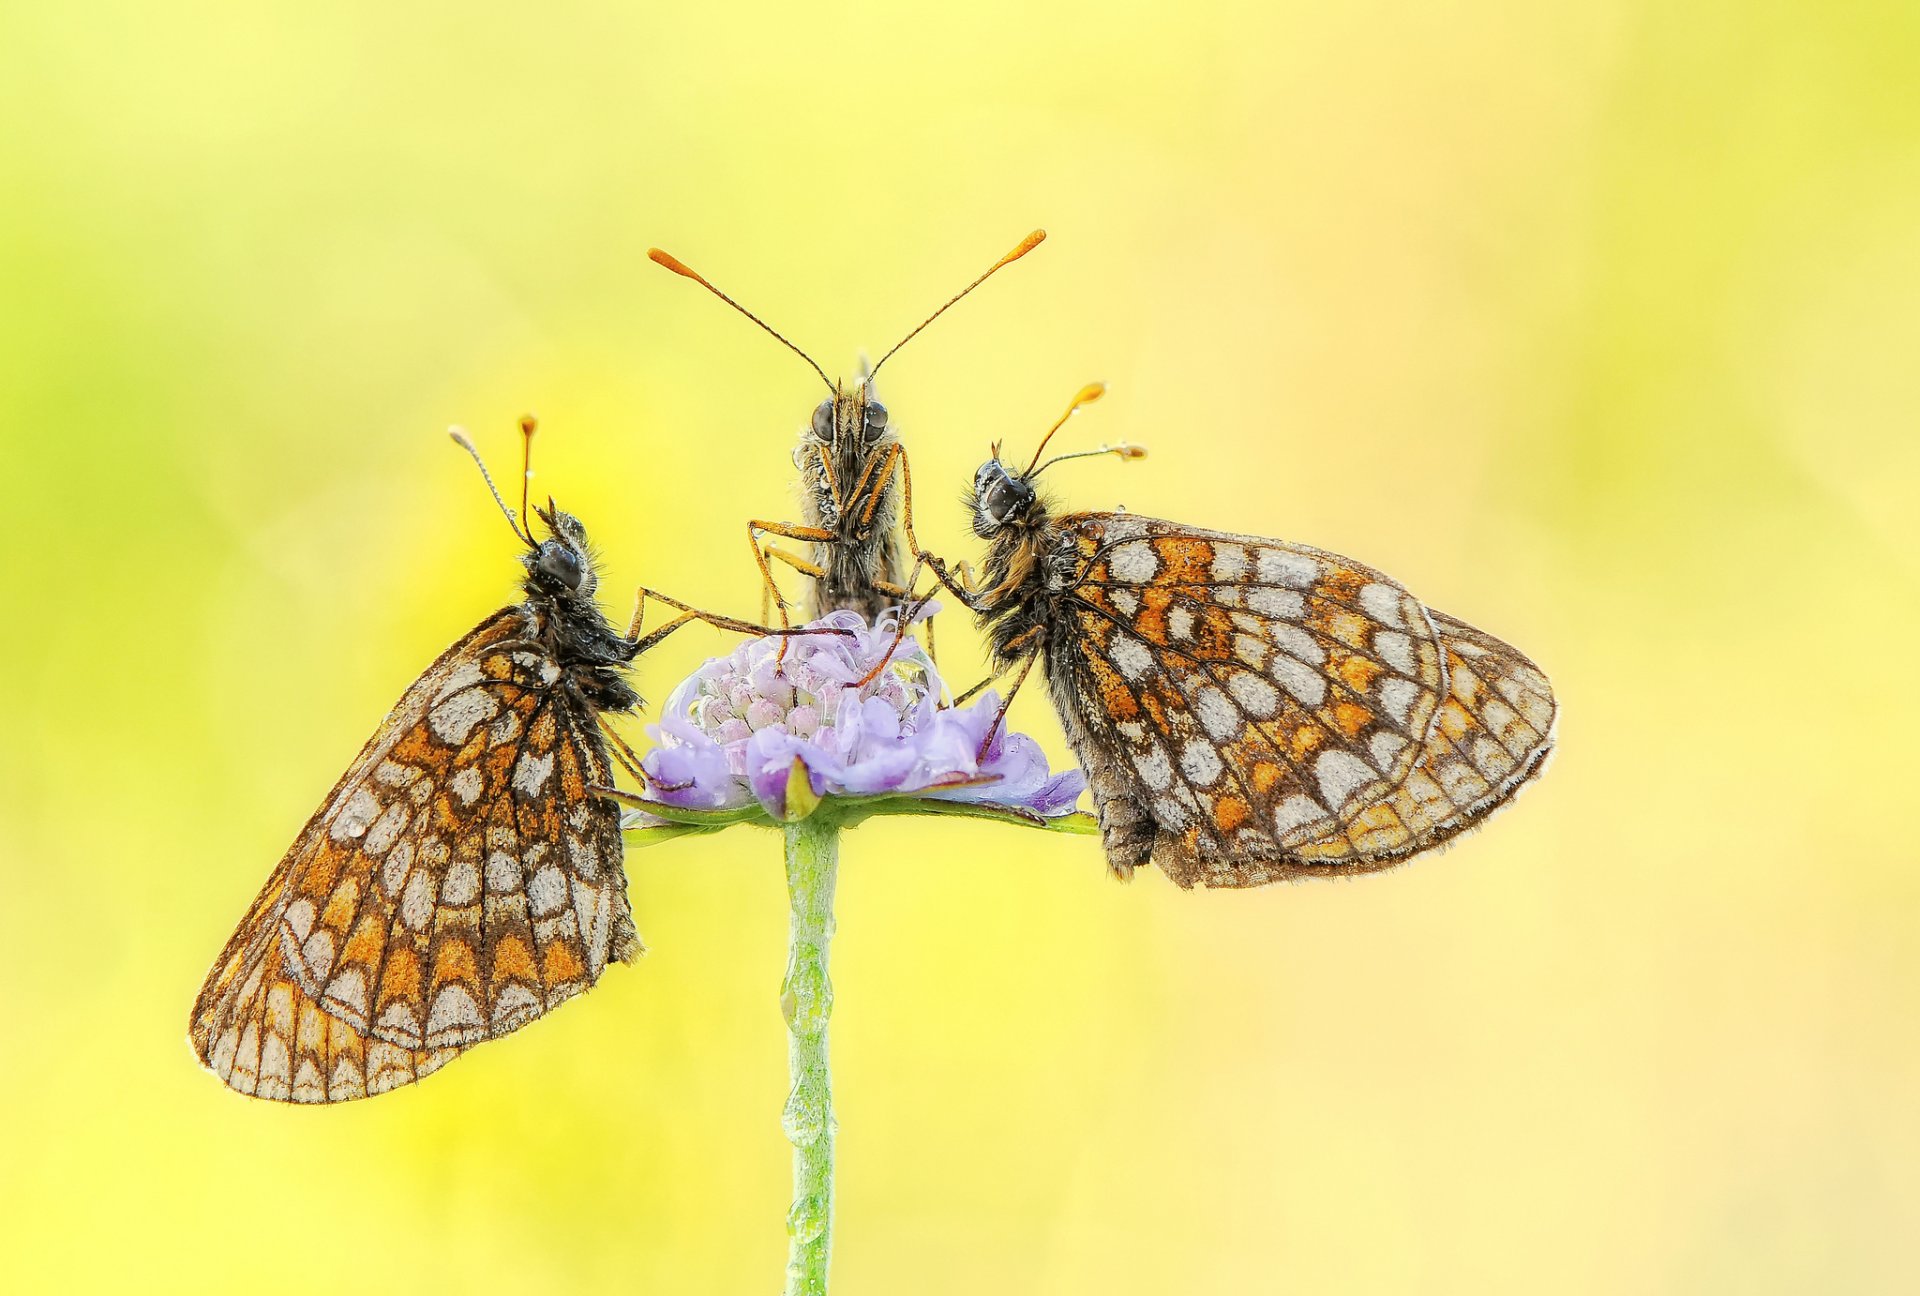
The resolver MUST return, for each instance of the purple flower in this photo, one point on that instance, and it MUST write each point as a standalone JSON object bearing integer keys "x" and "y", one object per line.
{"x": 732, "y": 732}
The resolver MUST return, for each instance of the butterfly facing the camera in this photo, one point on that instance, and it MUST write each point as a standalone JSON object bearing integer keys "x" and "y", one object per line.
{"x": 855, "y": 489}
{"x": 1246, "y": 709}
{"x": 464, "y": 875}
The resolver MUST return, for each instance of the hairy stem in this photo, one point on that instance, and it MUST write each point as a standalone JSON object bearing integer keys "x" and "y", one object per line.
{"x": 806, "y": 998}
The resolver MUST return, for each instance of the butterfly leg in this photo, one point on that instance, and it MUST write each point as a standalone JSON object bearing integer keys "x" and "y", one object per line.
{"x": 791, "y": 531}
{"x": 689, "y": 613}
{"x": 623, "y": 754}
{"x": 1030, "y": 644}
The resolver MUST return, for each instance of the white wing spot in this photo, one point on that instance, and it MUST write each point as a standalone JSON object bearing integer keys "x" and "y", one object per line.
{"x": 455, "y": 718}
{"x": 544, "y": 668}
{"x": 1306, "y": 685}
{"x": 347, "y": 992}
{"x": 394, "y": 774}
{"x": 462, "y": 886}
{"x": 454, "y": 1015}
{"x": 1133, "y": 658}
{"x": 354, "y": 817}
{"x": 393, "y": 872}
{"x": 1124, "y": 601}
{"x": 1296, "y": 810}
{"x": 1169, "y": 813}
{"x": 1285, "y": 604}
{"x": 386, "y": 830}
{"x": 299, "y": 918}
{"x": 1134, "y": 562}
{"x": 1396, "y": 699}
{"x": 1295, "y": 642}
{"x": 1180, "y": 622}
{"x": 1200, "y": 762}
{"x": 1340, "y": 774}
{"x": 530, "y": 773}
{"x": 1395, "y": 649}
{"x": 547, "y": 892}
{"x": 467, "y": 784}
{"x": 1251, "y": 651}
{"x": 1154, "y": 767}
{"x": 401, "y": 1020}
{"x": 1491, "y": 759}
{"x": 318, "y": 953}
{"x": 504, "y": 730}
{"x": 503, "y": 872}
{"x": 513, "y": 1005}
{"x": 1217, "y": 715}
{"x": 1260, "y": 699}
{"x": 416, "y": 902}
{"x": 1386, "y": 748}
{"x": 1229, "y": 562}
{"x": 1281, "y": 567}
{"x": 1382, "y": 603}
{"x": 461, "y": 677}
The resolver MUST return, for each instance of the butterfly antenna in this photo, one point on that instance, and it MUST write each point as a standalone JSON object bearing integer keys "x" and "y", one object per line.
{"x": 1026, "y": 245}
{"x": 1125, "y": 449}
{"x": 465, "y": 442}
{"x": 528, "y": 426}
{"x": 685, "y": 271}
{"x": 1085, "y": 396}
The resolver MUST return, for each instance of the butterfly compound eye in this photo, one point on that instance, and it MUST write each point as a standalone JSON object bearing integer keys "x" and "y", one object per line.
{"x": 823, "y": 421}
{"x": 876, "y": 419}
{"x": 561, "y": 564}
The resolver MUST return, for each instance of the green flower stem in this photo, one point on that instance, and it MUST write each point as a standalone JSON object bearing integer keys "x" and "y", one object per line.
{"x": 806, "y": 998}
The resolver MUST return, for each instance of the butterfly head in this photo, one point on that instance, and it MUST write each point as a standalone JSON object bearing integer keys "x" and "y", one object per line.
{"x": 562, "y": 564}
{"x": 852, "y": 419}
{"x": 1003, "y": 498}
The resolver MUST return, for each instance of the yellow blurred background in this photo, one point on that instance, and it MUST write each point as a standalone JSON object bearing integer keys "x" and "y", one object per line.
{"x": 1595, "y": 324}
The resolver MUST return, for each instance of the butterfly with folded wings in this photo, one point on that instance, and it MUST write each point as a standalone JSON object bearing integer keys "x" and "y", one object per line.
{"x": 464, "y": 876}
{"x": 854, "y": 480}
{"x": 1249, "y": 709}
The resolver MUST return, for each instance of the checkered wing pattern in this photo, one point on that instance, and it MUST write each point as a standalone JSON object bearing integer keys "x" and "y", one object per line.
{"x": 460, "y": 880}
{"x": 1493, "y": 735}
{"x": 1250, "y": 709}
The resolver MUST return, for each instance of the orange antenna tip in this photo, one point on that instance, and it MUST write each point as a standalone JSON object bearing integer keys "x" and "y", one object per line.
{"x": 673, "y": 263}
{"x": 1024, "y": 246}
{"x": 685, "y": 271}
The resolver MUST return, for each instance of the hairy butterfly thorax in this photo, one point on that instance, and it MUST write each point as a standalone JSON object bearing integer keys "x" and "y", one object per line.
{"x": 850, "y": 438}
{"x": 856, "y": 490}
{"x": 1249, "y": 709}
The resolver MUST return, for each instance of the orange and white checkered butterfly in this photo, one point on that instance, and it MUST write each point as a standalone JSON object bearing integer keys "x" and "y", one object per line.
{"x": 460, "y": 880}
{"x": 1249, "y": 709}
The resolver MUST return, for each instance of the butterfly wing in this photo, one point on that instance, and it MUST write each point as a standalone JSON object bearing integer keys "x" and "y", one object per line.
{"x": 1494, "y": 735}
{"x": 458, "y": 882}
{"x": 1238, "y": 700}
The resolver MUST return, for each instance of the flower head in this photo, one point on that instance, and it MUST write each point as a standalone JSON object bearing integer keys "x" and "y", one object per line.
{"x": 745, "y": 727}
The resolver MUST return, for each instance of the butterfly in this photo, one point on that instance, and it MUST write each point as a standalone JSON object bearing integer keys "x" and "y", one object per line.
{"x": 855, "y": 488}
{"x": 1247, "y": 709}
{"x": 464, "y": 875}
